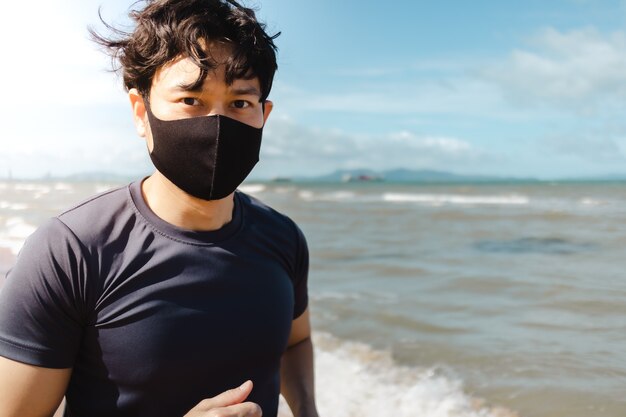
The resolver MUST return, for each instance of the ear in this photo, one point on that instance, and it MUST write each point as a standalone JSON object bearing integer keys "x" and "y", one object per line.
{"x": 139, "y": 112}
{"x": 269, "y": 105}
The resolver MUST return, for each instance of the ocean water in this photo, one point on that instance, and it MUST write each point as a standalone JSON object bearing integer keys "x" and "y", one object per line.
{"x": 442, "y": 300}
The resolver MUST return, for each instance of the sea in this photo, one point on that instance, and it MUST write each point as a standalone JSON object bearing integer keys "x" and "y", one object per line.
{"x": 449, "y": 300}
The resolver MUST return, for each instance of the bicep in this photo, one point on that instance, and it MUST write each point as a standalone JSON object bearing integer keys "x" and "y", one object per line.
{"x": 300, "y": 328}
{"x": 44, "y": 300}
{"x": 30, "y": 391}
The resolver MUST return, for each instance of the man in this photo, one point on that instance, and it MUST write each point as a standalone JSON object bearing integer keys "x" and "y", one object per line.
{"x": 155, "y": 298}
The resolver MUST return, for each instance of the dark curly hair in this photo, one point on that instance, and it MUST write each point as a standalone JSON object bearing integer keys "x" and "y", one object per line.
{"x": 167, "y": 29}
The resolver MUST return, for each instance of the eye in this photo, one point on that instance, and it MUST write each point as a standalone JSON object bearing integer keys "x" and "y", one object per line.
{"x": 190, "y": 101}
{"x": 240, "y": 104}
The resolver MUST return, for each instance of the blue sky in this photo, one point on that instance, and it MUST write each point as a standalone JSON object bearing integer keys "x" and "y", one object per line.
{"x": 530, "y": 88}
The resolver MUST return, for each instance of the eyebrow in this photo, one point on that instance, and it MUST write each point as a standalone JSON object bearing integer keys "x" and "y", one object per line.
{"x": 197, "y": 88}
{"x": 188, "y": 87}
{"x": 242, "y": 91}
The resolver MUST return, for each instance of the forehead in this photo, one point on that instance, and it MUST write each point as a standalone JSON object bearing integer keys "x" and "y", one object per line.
{"x": 182, "y": 71}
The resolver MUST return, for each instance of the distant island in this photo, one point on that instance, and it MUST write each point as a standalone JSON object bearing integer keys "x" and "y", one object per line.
{"x": 433, "y": 176}
{"x": 404, "y": 175}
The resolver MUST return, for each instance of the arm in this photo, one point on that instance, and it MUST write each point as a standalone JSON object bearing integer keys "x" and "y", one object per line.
{"x": 297, "y": 381}
{"x": 30, "y": 391}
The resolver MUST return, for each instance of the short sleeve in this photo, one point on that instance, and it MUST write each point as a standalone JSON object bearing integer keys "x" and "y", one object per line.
{"x": 42, "y": 305}
{"x": 301, "y": 275}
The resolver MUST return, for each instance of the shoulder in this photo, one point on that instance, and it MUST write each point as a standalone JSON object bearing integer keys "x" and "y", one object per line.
{"x": 262, "y": 215}
{"x": 52, "y": 237}
{"x": 96, "y": 204}
{"x": 276, "y": 232}
{"x": 96, "y": 216}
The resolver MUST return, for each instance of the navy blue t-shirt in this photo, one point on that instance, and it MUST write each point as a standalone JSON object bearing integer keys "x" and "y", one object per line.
{"x": 151, "y": 317}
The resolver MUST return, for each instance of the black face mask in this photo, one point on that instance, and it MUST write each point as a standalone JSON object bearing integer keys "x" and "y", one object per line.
{"x": 207, "y": 156}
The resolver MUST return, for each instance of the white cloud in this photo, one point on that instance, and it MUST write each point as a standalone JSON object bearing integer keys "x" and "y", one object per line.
{"x": 63, "y": 111}
{"x": 449, "y": 95}
{"x": 580, "y": 69}
{"x": 449, "y": 145}
{"x": 50, "y": 61}
{"x": 103, "y": 152}
{"x": 292, "y": 149}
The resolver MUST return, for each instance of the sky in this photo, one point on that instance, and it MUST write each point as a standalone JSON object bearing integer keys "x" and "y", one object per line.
{"x": 510, "y": 88}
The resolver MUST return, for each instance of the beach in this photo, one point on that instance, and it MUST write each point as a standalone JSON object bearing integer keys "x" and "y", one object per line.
{"x": 459, "y": 300}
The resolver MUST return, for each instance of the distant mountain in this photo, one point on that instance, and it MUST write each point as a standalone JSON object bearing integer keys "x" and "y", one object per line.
{"x": 341, "y": 174}
{"x": 425, "y": 175}
{"x": 408, "y": 175}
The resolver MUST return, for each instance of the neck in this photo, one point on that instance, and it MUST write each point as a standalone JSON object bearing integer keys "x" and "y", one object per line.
{"x": 180, "y": 209}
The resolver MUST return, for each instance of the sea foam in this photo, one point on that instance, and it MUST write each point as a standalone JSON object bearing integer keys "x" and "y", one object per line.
{"x": 13, "y": 233}
{"x": 454, "y": 199}
{"x": 13, "y": 206}
{"x": 252, "y": 188}
{"x": 354, "y": 380}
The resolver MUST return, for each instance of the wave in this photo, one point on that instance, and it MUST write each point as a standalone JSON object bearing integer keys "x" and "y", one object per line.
{"x": 252, "y": 188}
{"x": 592, "y": 202}
{"x": 577, "y": 205}
{"x": 329, "y": 196}
{"x": 5, "y": 205}
{"x": 101, "y": 188}
{"x": 64, "y": 186}
{"x": 425, "y": 199}
{"x": 40, "y": 188}
{"x": 354, "y": 380}
{"x": 443, "y": 199}
{"x": 37, "y": 190}
{"x": 335, "y": 295}
{"x": 13, "y": 233}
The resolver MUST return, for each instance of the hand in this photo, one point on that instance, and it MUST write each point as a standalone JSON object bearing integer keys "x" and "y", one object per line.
{"x": 228, "y": 404}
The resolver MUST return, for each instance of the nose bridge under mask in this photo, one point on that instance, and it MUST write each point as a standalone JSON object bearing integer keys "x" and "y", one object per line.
{"x": 206, "y": 156}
